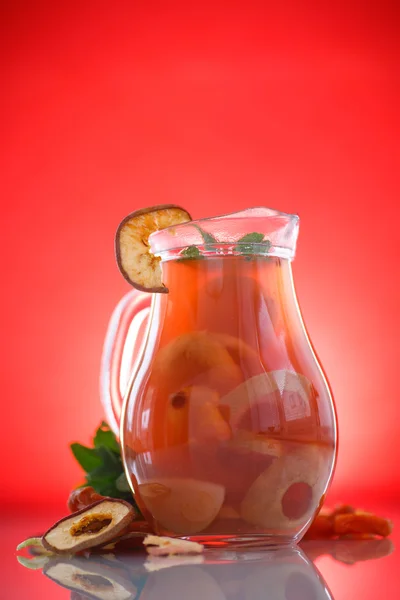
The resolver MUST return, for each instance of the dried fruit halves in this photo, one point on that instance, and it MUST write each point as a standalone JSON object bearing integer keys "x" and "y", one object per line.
{"x": 135, "y": 261}
{"x": 96, "y": 525}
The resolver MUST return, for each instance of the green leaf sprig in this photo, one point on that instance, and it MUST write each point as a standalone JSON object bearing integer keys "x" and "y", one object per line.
{"x": 248, "y": 244}
{"x": 191, "y": 252}
{"x": 103, "y": 465}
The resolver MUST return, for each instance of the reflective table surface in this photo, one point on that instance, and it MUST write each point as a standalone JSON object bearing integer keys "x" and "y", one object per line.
{"x": 315, "y": 570}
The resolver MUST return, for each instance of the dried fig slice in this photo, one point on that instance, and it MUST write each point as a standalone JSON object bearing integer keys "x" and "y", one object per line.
{"x": 92, "y": 526}
{"x": 94, "y": 579}
{"x": 135, "y": 261}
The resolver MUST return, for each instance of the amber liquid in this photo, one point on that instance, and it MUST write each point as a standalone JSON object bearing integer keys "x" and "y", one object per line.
{"x": 229, "y": 430}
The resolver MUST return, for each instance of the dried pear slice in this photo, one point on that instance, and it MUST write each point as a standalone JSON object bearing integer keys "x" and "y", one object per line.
{"x": 267, "y": 395}
{"x": 189, "y": 506}
{"x": 135, "y": 261}
{"x": 287, "y": 493}
{"x": 195, "y": 358}
{"x": 92, "y": 526}
{"x": 94, "y": 579}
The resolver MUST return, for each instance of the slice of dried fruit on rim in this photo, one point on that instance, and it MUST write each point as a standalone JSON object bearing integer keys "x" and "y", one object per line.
{"x": 93, "y": 526}
{"x": 135, "y": 261}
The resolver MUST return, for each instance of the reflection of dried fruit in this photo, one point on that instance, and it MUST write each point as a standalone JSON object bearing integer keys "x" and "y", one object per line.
{"x": 188, "y": 508}
{"x": 92, "y": 526}
{"x": 362, "y": 522}
{"x": 135, "y": 261}
{"x": 95, "y": 579}
{"x": 164, "y": 546}
{"x": 195, "y": 359}
{"x": 285, "y": 495}
{"x": 347, "y": 523}
{"x": 350, "y": 553}
{"x": 82, "y": 497}
{"x": 347, "y": 551}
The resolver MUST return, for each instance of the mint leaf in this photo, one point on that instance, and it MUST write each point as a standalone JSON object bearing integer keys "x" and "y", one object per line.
{"x": 103, "y": 466}
{"x": 105, "y": 437}
{"x": 252, "y": 238}
{"x": 110, "y": 463}
{"x": 191, "y": 252}
{"x": 207, "y": 237}
{"x": 86, "y": 457}
{"x": 246, "y": 243}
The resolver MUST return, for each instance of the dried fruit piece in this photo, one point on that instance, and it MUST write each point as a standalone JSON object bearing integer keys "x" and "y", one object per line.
{"x": 93, "y": 526}
{"x": 194, "y": 358}
{"x": 35, "y": 546}
{"x": 82, "y": 498}
{"x": 188, "y": 508}
{"x": 285, "y": 494}
{"x": 321, "y": 527}
{"x": 95, "y": 579}
{"x": 135, "y": 261}
{"x": 156, "y": 563}
{"x": 237, "y": 348}
{"x": 342, "y": 509}
{"x": 193, "y": 415}
{"x": 129, "y": 541}
{"x": 362, "y": 522}
{"x": 165, "y": 546}
{"x": 261, "y": 398}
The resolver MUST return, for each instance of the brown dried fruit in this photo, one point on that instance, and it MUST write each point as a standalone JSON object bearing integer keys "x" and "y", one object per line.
{"x": 362, "y": 522}
{"x": 135, "y": 261}
{"x": 342, "y": 509}
{"x": 82, "y": 498}
{"x": 93, "y": 526}
{"x": 321, "y": 527}
{"x": 94, "y": 579}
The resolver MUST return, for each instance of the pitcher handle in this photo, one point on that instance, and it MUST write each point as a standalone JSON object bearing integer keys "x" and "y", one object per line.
{"x": 130, "y": 317}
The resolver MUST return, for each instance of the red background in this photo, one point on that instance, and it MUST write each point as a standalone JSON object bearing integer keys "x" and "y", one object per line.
{"x": 108, "y": 107}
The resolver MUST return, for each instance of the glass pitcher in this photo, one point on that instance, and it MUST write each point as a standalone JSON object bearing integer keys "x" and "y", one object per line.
{"x": 228, "y": 425}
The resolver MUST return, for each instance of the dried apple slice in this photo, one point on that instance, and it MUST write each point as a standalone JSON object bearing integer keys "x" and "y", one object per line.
{"x": 135, "y": 260}
{"x": 93, "y": 526}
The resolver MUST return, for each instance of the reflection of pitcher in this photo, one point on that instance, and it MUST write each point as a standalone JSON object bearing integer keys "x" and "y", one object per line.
{"x": 228, "y": 427}
{"x": 279, "y": 575}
